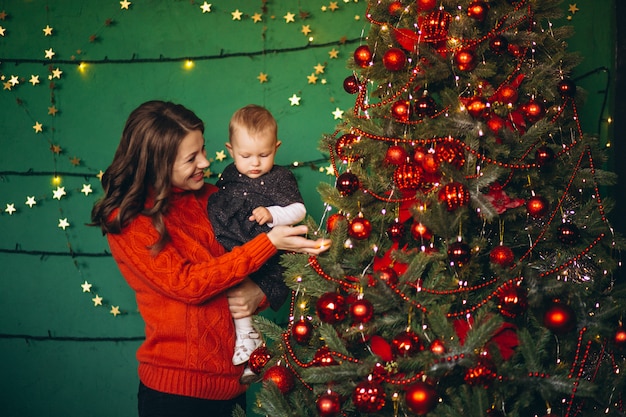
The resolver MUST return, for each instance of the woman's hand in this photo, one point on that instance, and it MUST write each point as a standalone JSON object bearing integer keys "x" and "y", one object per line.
{"x": 244, "y": 299}
{"x": 290, "y": 238}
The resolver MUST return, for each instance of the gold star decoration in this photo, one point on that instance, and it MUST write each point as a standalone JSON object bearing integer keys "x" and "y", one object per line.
{"x": 75, "y": 161}
{"x": 257, "y": 17}
{"x": 100, "y": 174}
{"x": 30, "y": 201}
{"x": 338, "y": 113}
{"x": 86, "y": 286}
{"x": 206, "y": 7}
{"x": 7, "y": 86}
{"x": 125, "y": 4}
{"x": 2, "y": 31}
{"x": 86, "y": 189}
{"x": 573, "y": 8}
{"x": 306, "y": 29}
{"x": 236, "y": 14}
{"x": 294, "y": 100}
{"x": 289, "y": 17}
{"x": 63, "y": 224}
{"x": 330, "y": 170}
{"x": 58, "y": 193}
{"x": 14, "y": 80}
{"x": 3, "y": 15}
{"x": 34, "y": 79}
{"x": 49, "y": 53}
{"x": 115, "y": 310}
{"x": 56, "y": 149}
{"x": 262, "y": 77}
{"x": 10, "y": 209}
{"x": 333, "y": 6}
{"x": 47, "y": 31}
{"x": 220, "y": 155}
{"x": 38, "y": 127}
{"x": 52, "y": 110}
{"x": 312, "y": 79}
{"x": 97, "y": 300}
{"x": 319, "y": 68}
{"x": 56, "y": 73}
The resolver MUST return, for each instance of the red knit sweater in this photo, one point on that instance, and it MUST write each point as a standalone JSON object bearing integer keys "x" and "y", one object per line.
{"x": 180, "y": 294}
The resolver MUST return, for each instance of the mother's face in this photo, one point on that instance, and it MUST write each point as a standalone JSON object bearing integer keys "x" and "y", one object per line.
{"x": 190, "y": 163}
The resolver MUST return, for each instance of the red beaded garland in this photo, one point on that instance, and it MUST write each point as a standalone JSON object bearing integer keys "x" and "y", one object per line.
{"x": 343, "y": 147}
{"x": 323, "y": 357}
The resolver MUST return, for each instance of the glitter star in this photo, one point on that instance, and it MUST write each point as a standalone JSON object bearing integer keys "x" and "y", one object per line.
{"x": 289, "y": 17}
{"x": 257, "y": 17}
{"x": 38, "y": 127}
{"x": 49, "y": 53}
{"x": 306, "y": 29}
{"x": 14, "y": 80}
{"x": 58, "y": 193}
{"x": 220, "y": 155}
{"x": 86, "y": 189}
{"x": 86, "y": 286}
{"x": 30, "y": 201}
{"x": 97, "y": 300}
{"x": 573, "y": 8}
{"x": 338, "y": 113}
{"x": 312, "y": 79}
{"x": 294, "y": 100}
{"x": 319, "y": 69}
{"x": 236, "y": 15}
{"x": 124, "y": 4}
{"x": 115, "y": 310}
{"x": 10, "y": 209}
{"x": 262, "y": 77}
{"x": 47, "y": 31}
{"x": 333, "y": 6}
{"x": 34, "y": 79}
{"x": 63, "y": 223}
{"x": 206, "y": 7}
{"x": 7, "y": 86}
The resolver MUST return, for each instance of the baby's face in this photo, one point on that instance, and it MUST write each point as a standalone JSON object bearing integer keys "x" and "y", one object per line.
{"x": 253, "y": 153}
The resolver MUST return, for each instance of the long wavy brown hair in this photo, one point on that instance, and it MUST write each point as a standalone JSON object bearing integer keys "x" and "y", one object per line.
{"x": 142, "y": 166}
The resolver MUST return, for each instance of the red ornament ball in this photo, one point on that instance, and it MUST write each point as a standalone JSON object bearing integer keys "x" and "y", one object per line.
{"x": 332, "y": 221}
{"x": 302, "y": 331}
{"x": 323, "y": 357}
{"x": 420, "y": 232}
{"x": 459, "y": 253}
{"x": 430, "y": 164}
{"x": 395, "y": 155}
{"x": 348, "y": 183}
{"x": 259, "y": 358}
{"x": 405, "y": 344}
{"x": 495, "y": 123}
{"x": 351, "y": 84}
{"x": 567, "y": 88}
{"x": 437, "y": 347}
{"x": 360, "y": 228}
{"x": 559, "y": 318}
{"x": 502, "y": 256}
{"x": 544, "y": 155}
{"x": 407, "y": 177}
{"x": 395, "y": 8}
{"x": 512, "y": 300}
{"x": 388, "y": 275}
{"x": 426, "y": 5}
{"x": 401, "y": 110}
{"x": 395, "y": 231}
{"x": 368, "y": 397}
{"x": 394, "y": 59}
{"x": 499, "y": 44}
{"x": 361, "y": 311}
{"x": 281, "y": 377}
{"x": 328, "y": 404}
{"x": 477, "y": 107}
{"x": 465, "y": 60}
{"x": 425, "y": 106}
{"x": 331, "y": 308}
{"x": 454, "y": 195}
{"x": 478, "y": 10}
{"x": 421, "y": 398}
{"x": 534, "y": 111}
{"x": 537, "y": 207}
{"x": 363, "y": 56}
{"x": 435, "y": 26}
{"x": 508, "y": 94}
{"x": 568, "y": 233}
{"x": 619, "y": 339}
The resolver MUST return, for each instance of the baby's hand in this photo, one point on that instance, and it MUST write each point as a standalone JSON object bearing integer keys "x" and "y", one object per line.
{"x": 261, "y": 215}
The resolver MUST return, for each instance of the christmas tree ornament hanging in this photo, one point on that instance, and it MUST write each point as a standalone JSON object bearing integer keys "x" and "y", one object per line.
{"x": 559, "y": 318}
{"x": 363, "y": 56}
{"x": 395, "y": 231}
{"x": 420, "y": 232}
{"x": 533, "y": 111}
{"x": 501, "y": 255}
{"x": 361, "y": 311}
{"x": 478, "y": 10}
{"x": 568, "y": 233}
{"x": 332, "y": 221}
{"x": 347, "y": 183}
{"x": 499, "y": 44}
{"x": 512, "y": 300}
{"x": 360, "y": 228}
{"x": 454, "y": 195}
{"x": 395, "y": 8}
{"x": 619, "y": 338}
{"x": 388, "y": 275}
{"x": 328, "y": 404}
{"x": 544, "y": 155}
{"x": 421, "y": 398}
{"x": 537, "y": 206}
{"x": 459, "y": 253}
{"x": 395, "y": 155}
{"x": 351, "y": 84}
{"x": 482, "y": 374}
{"x": 567, "y": 88}
{"x": 259, "y": 358}
{"x": 407, "y": 177}
{"x": 425, "y": 106}
{"x": 437, "y": 347}
{"x": 401, "y": 110}
{"x": 394, "y": 59}
{"x": 406, "y": 343}
{"x": 331, "y": 308}
{"x": 435, "y": 26}
{"x": 368, "y": 397}
{"x": 302, "y": 331}
{"x": 477, "y": 107}
{"x": 280, "y": 376}
{"x": 465, "y": 60}
{"x": 507, "y": 94}
{"x": 426, "y": 5}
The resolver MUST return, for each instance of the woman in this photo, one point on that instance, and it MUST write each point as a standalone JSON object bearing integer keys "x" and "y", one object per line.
{"x": 154, "y": 213}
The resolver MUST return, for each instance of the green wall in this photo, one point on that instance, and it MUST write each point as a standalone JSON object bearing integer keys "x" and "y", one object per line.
{"x": 63, "y": 355}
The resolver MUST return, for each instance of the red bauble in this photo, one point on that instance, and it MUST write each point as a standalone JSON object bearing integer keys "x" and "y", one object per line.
{"x": 331, "y": 308}
{"x": 426, "y": 5}
{"x": 482, "y": 374}
{"x": 343, "y": 147}
{"x": 360, "y": 228}
{"x": 478, "y": 10}
{"x": 465, "y": 60}
{"x": 368, "y": 397}
{"x": 559, "y": 318}
{"x": 508, "y": 94}
{"x": 405, "y": 343}
{"x": 454, "y": 195}
{"x": 259, "y": 358}
{"x": 568, "y": 233}
{"x": 419, "y": 154}
{"x": 351, "y": 84}
{"x": 394, "y": 59}
{"x": 347, "y": 183}
{"x": 534, "y": 111}
{"x": 361, "y": 311}
{"x": 437, "y": 347}
{"x": 420, "y": 232}
{"x": 567, "y": 88}
{"x": 401, "y": 110}
{"x": 323, "y": 357}
{"x": 495, "y": 123}
{"x": 435, "y": 26}
{"x": 502, "y": 255}
{"x": 395, "y": 231}
{"x": 331, "y": 223}
{"x": 425, "y": 106}
{"x": 477, "y": 107}
{"x": 450, "y": 153}
{"x": 388, "y": 275}
{"x": 544, "y": 155}
{"x": 421, "y": 398}
{"x": 498, "y": 44}
{"x": 280, "y": 376}
{"x": 407, "y": 177}
{"x": 537, "y": 207}
{"x": 395, "y": 8}
{"x": 328, "y": 404}
{"x": 512, "y": 300}
{"x": 363, "y": 56}
{"x": 302, "y": 331}
{"x": 459, "y": 253}
{"x": 430, "y": 164}
{"x": 396, "y": 155}
{"x": 619, "y": 339}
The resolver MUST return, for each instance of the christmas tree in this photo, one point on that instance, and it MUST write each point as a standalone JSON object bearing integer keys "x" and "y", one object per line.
{"x": 472, "y": 266}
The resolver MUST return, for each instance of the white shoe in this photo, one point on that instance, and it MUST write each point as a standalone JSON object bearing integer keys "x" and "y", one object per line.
{"x": 245, "y": 344}
{"x": 249, "y": 377}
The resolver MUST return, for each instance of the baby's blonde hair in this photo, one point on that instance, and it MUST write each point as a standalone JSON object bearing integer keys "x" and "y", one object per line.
{"x": 254, "y": 119}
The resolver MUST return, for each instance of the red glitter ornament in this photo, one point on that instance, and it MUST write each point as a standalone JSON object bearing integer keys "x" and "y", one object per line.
{"x": 537, "y": 207}
{"x": 465, "y": 60}
{"x": 281, "y": 377}
{"x": 430, "y": 164}
{"x": 420, "y": 232}
{"x": 332, "y": 221}
{"x": 360, "y": 228}
{"x": 361, "y": 311}
{"x": 619, "y": 339}
{"x": 421, "y": 398}
{"x": 331, "y": 308}
{"x": 437, "y": 347}
{"x": 477, "y": 107}
{"x": 405, "y": 343}
{"x": 533, "y": 111}
{"x": 351, "y": 84}
{"x": 394, "y": 59}
{"x": 454, "y": 195}
{"x": 401, "y": 110}
{"x": 302, "y": 331}
{"x": 495, "y": 123}
{"x": 368, "y": 397}
{"x": 478, "y": 10}
{"x": 388, "y": 275}
{"x": 426, "y": 5}
{"x": 395, "y": 155}
{"x": 347, "y": 183}
{"x": 459, "y": 253}
{"x": 407, "y": 177}
{"x": 343, "y": 147}
{"x": 259, "y": 358}
{"x": 328, "y": 404}
{"x": 512, "y": 300}
{"x": 559, "y": 318}
{"x": 502, "y": 255}
{"x": 363, "y": 56}
{"x": 507, "y": 94}
{"x": 395, "y": 8}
